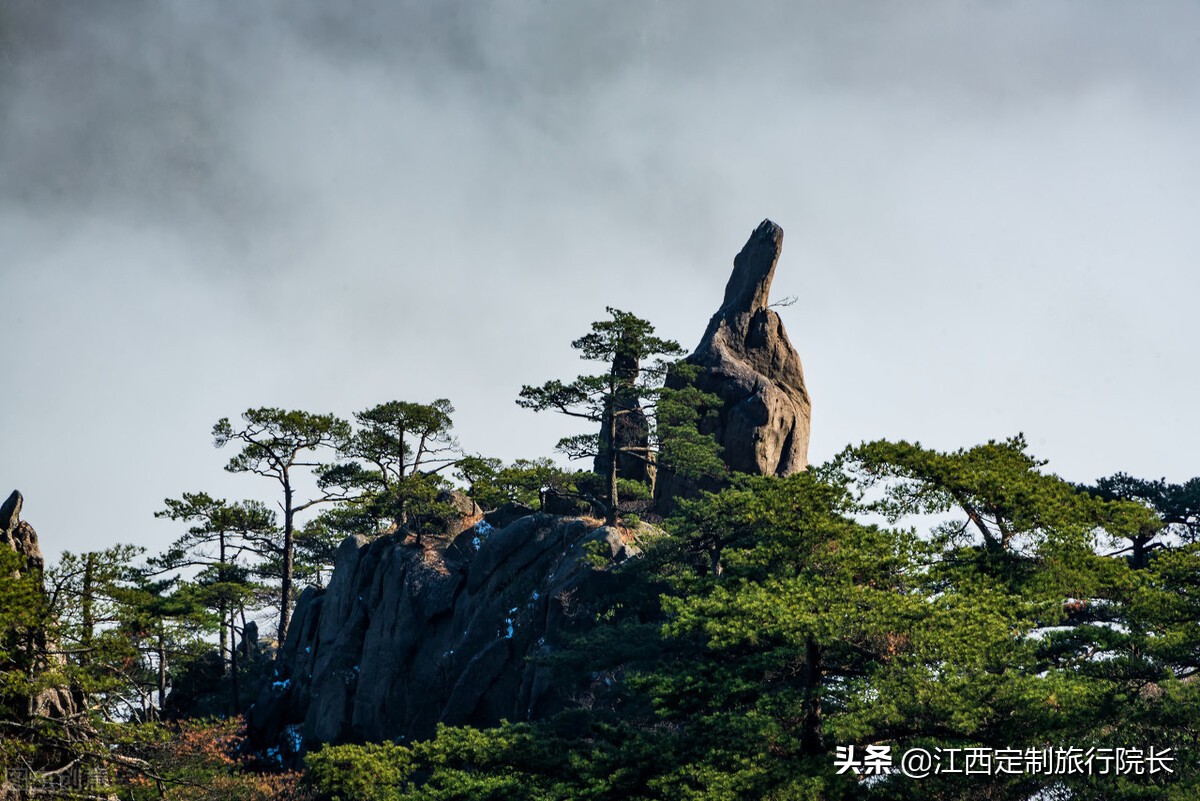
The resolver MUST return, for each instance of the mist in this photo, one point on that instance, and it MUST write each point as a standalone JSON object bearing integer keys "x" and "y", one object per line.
{"x": 989, "y": 217}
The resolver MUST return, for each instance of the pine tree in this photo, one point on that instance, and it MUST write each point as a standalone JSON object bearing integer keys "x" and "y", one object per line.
{"x": 621, "y": 399}
{"x": 274, "y": 443}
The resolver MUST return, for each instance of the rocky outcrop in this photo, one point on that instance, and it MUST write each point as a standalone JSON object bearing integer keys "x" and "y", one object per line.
{"x": 19, "y": 535}
{"x": 452, "y": 629}
{"x": 746, "y": 360}
{"x": 632, "y": 426}
{"x": 408, "y": 635}
{"x": 34, "y": 652}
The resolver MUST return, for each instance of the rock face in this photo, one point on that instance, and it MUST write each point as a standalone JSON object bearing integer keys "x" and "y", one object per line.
{"x": 407, "y": 635}
{"x": 632, "y": 426}
{"x": 746, "y": 359}
{"x": 19, "y": 535}
{"x": 52, "y": 702}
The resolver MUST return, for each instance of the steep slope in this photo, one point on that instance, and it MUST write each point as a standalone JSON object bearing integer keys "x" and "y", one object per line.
{"x": 409, "y": 635}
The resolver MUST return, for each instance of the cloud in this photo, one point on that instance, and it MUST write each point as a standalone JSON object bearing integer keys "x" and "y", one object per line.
{"x": 210, "y": 207}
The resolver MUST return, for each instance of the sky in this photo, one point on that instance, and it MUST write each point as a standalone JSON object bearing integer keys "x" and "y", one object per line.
{"x": 989, "y": 213}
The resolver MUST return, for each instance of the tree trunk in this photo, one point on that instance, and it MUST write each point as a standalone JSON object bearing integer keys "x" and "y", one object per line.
{"x": 223, "y": 606}
{"x": 812, "y": 738}
{"x": 285, "y": 589}
{"x": 611, "y": 517}
{"x": 223, "y": 615}
{"x": 233, "y": 670}
{"x": 87, "y": 617}
{"x": 162, "y": 670}
{"x": 1139, "y": 551}
{"x": 714, "y": 563}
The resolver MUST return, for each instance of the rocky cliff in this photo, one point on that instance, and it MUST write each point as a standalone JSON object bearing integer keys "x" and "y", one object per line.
{"x": 449, "y": 630}
{"x": 747, "y": 361}
{"x": 408, "y": 635}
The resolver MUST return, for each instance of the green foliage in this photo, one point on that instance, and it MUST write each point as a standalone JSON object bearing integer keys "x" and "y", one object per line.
{"x": 87, "y": 601}
{"x": 998, "y": 487}
{"x": 633, "y": 490}
{"x": 397, "y": 440}
{"x": 769, "y": 626}
{"x": 126, "y": 633}
{"x": 1177, "y": 505}
{"x": 772, "y": 626}
{"x": 272, "y": 438}
{"x": 492, "y": 484}
{"x": 518, "y": 762}
{"x": 623, "y": 343}
{"x": 400, "y": 437}
{"x": 1175, "y": 513}
{"x": 393, "y": 480}
{"x": 480, "y": 474}
{"x": 274, "y": 443}
{"x": 372, "y": 772}
{"x": 231, "y": 544}
{"x": 685, "y": 412}
{"x": 24, "y": 618}
{"x": 627, "y": 393}
{"x": 166, "y": 621}
{"x": 317, "y": 543}
{"x": 595, "y": 553}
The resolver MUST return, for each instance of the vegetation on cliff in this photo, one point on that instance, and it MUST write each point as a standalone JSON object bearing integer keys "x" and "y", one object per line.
{"x": 771, "y": 628}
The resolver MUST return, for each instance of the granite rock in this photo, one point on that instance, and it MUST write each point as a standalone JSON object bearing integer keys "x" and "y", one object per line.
{"x": 746, "y": 359}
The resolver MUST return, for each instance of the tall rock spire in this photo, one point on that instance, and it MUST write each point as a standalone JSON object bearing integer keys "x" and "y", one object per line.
{"x": 18, "y": 535}
{"x": 746, "y": 360}
{"x": 749, "y": 286}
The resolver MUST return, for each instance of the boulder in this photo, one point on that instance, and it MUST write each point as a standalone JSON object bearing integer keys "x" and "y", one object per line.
{"x": 508, "y": 513}
{"x": 461, "y": 512}
{"x": 568, "y": 505}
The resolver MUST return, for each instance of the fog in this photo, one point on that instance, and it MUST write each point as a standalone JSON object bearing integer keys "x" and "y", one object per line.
{"x": 989, "y": 215}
